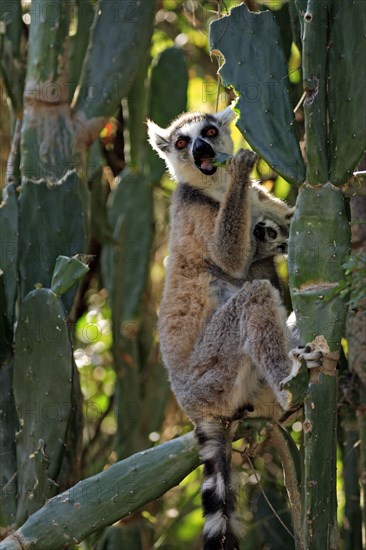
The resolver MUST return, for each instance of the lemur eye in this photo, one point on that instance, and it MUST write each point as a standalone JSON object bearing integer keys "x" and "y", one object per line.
{"x": 181, "y": 143}
{"x": 211, "y": 132}
{"x": 272, "y": 233}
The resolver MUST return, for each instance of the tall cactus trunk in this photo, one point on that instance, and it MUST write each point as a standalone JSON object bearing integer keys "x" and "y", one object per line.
{"x": 320, "y": 243}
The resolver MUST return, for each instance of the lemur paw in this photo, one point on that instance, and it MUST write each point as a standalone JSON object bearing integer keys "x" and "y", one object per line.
{"x": 241, "y": 164}
{"x": 312, "y": 356}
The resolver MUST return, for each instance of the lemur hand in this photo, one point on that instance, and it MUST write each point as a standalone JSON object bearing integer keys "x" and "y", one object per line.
{"x": 240, "y": 166}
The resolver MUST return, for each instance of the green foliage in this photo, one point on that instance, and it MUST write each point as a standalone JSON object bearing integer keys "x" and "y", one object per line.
{"x": 352, "y": 287}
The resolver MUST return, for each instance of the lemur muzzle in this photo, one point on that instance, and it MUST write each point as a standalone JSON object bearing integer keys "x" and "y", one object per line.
{"x": 203, "y": 155}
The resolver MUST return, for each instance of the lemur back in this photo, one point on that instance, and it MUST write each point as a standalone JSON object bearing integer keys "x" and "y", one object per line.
{"x": 222, "y": 325}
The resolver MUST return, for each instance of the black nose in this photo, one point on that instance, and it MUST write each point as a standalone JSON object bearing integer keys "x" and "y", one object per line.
{"x": 259, "y": 232}
{"x": 202, "y": 149}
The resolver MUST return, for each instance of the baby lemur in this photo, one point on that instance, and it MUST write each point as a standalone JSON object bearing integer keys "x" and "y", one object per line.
{"x": 222, "y": 325}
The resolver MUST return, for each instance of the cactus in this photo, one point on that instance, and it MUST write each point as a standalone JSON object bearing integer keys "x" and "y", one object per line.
{"x": 314, "y": 26}
{"x": 49, "y": 222}
{"x": 106, "y": 497}
{"x": 163, "y": 105}
{"x": 347, "y": 129}
{"x": 125, "y": 269}
{"x": 321, "y": 225}
{"x": 9, "y": 249}
{"x": 79, "y": 41}
{"x": 128, "y": 26}
{"x": 259, "y": 75}
{"x": 67, "y": 271}
{"x": 317, "y": 251}
{"x": 11, "y": 62}
{"x": 320, "y": 232}
{"x": 8, "y": 427}
{"x": 352, "y": 523}
{"x": 43, "y": 348}
{"x": 46, "y": 232}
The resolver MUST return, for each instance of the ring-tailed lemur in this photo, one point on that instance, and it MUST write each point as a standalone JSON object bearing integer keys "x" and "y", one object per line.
{"x": 222, "y": 325}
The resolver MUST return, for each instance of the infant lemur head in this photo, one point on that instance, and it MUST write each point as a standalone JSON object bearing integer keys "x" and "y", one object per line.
{"x": 190, "y": 144}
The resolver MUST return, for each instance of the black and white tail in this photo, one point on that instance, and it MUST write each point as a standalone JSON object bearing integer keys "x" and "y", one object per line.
{"x": 218, "y": 494}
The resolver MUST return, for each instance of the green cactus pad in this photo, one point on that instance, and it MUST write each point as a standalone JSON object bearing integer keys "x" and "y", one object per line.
{"x": 347, "y": 60}
{"x": 42, "y": 389}
{"x": 67, "y": 272}
{"x": 317, "y": 249}
{"x": 45, "y": 63}
{"x": 256, "y": 67}
{"x": 52, "y": 223}
{"x": 168, "y": 97}
{"x": 9, "y": 247}
{"x": 125, "y": 265}
{"x": 124, "y": 28}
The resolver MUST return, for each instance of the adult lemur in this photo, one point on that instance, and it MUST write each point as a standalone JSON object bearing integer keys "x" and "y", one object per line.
{"x": 222, "y": 325}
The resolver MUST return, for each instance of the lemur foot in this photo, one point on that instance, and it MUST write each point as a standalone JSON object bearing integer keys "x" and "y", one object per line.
{"x": 312, "y": 356}
{"x": 241, "y": 164}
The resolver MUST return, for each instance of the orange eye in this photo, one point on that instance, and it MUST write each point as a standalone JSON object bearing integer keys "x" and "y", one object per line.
{"x": 181, "y": 143}
{"x": 211, "y": 132}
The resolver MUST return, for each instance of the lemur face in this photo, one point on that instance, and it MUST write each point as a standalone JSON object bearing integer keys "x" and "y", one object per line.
{"x": 270, "y": 238}
{"x": 190, "y": 144}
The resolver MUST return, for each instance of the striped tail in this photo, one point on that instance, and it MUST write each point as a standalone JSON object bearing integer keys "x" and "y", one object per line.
{"x": 218, "y": 495}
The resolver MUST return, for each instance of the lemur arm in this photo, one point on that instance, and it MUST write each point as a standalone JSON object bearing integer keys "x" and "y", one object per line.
{"x": 231, "y": 247}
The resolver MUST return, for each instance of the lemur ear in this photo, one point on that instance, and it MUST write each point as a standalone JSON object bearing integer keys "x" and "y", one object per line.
{"x": 290, "y": 214}
{"x": 226, "y": 116}
{"x": 158, "y": 138}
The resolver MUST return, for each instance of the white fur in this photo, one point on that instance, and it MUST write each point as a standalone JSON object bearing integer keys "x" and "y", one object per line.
{"x": 180, "y": 163}
{"x": 210, "y": 450}
{"x": 215, "y": 524}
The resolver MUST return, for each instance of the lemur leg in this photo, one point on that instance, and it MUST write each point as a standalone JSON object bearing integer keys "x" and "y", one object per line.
{"x": 244, "y": 341}
{"x": 265, "y": 336}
